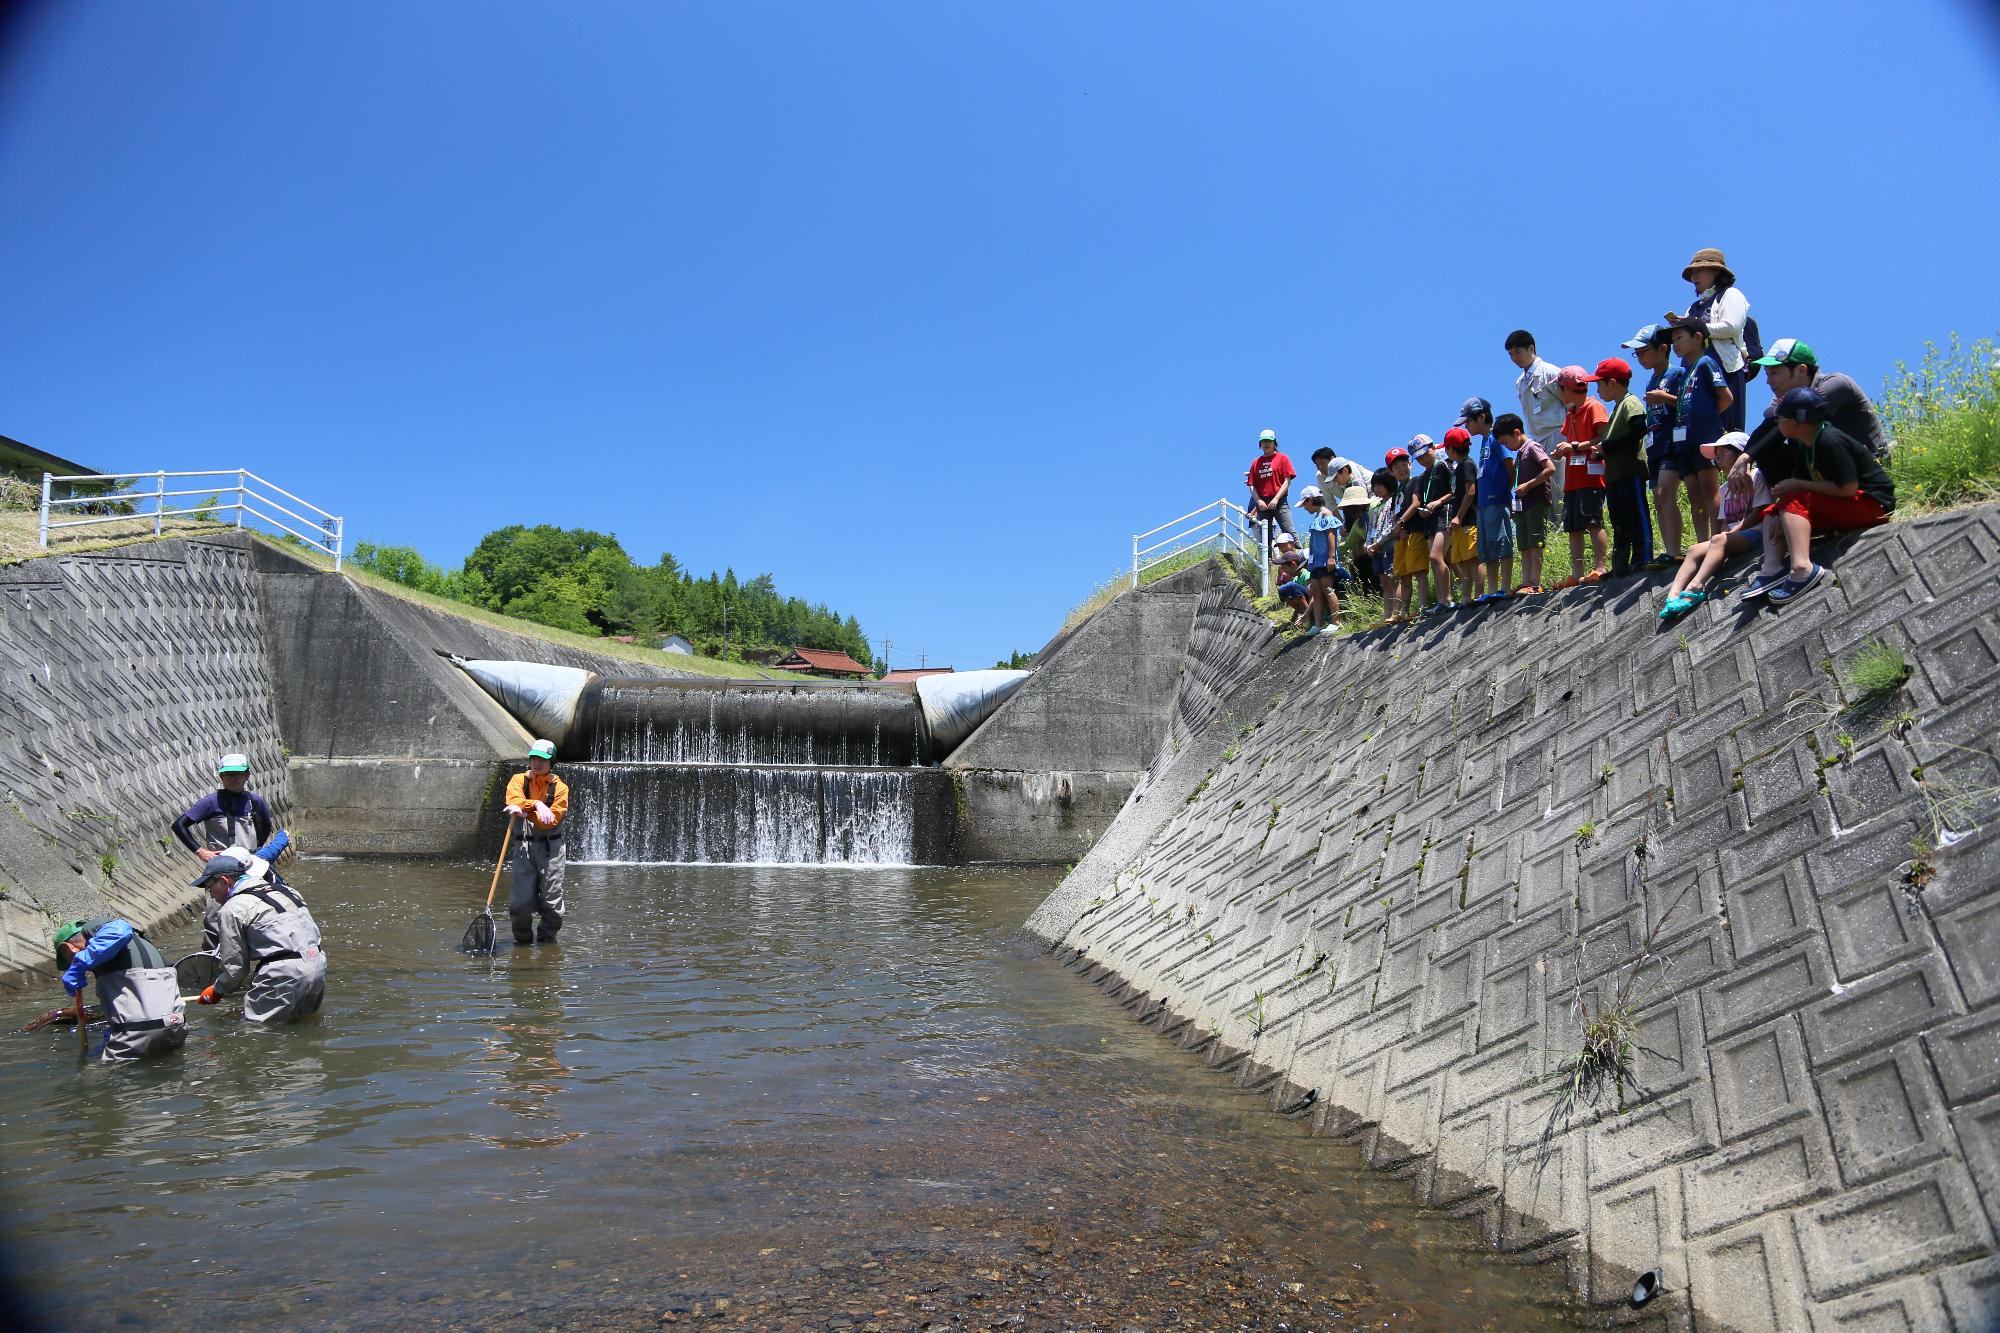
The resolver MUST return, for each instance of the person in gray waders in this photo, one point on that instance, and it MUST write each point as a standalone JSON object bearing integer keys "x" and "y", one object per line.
{"x": 269, "y": 943}
{"x": 230, "y": 816}
{"x": 135, "y": 984}
{"x": 540, "y": 800}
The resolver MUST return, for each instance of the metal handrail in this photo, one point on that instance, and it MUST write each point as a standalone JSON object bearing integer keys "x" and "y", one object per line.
{"x": 1221, "y": 523}
{"x": 327, "y": 534}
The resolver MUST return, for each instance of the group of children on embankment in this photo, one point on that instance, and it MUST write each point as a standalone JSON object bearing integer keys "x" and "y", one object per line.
{"x": 1607, "y": 470}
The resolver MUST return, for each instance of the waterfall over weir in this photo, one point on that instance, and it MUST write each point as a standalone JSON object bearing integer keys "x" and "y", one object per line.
{"x": 780, "y": 772}
{"x": 709, "y": 814}
{"x": 695, "y": 773}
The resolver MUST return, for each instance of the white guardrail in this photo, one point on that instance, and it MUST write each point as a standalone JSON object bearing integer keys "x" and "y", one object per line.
{"x": 125, "y": 497}
{"x": 1219, "y": 528}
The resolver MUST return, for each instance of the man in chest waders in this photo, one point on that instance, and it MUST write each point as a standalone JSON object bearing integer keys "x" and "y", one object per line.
{"x": 230, "y": 816}
{"x": 269, "y": 943}
{"x": 540, "y": 800}
{"x": 135, "y": 984}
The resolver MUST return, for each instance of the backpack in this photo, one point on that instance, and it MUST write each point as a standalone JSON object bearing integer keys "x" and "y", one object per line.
{"x": 1753, "y": 342}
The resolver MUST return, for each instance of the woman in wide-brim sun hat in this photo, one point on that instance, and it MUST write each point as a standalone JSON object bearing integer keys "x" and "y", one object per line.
{"x": 1725, "y": 312}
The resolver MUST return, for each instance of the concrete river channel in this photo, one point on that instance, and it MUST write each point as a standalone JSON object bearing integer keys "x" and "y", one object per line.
{"x": 739, "y": 1096}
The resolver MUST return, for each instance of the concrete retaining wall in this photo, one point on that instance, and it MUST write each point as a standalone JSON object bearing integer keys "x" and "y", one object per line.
{"x": 127, "y": 671}
{"x": 1395, "y": 869}
{"x": 393, "y": 749}
{"x": 1046, "y": 774}
{"x": 123, "y": 675}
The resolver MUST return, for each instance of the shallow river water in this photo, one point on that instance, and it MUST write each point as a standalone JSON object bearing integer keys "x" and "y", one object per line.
{"x": 798, "y": 1097}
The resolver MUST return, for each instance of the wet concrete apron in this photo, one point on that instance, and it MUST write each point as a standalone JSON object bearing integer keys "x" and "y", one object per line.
{"x": 740, "y": 1097}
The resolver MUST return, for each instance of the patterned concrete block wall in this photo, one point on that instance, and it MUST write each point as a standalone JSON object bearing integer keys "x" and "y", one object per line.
{"x": 122, "y": 675}
{"x": 1423, "y": 859}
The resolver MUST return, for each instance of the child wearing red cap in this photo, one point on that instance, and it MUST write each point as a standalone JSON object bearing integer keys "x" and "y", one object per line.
{"x": 1463, "y": 555}
{"x": 1624, "y": 449}
{"x": 1582, "y": 459}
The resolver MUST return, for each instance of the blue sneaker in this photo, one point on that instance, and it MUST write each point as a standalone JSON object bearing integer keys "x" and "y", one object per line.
{"x": 1311, "y": 630}
{"x": 1791, "y": 588}
{"x": 1760, "y": 586}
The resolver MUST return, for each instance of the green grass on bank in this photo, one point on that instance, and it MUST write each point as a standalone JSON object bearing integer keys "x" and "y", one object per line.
{"x": 1100, "y": 597}
{"x": 19, "y": 540}
{"x": 1945, "y": 418}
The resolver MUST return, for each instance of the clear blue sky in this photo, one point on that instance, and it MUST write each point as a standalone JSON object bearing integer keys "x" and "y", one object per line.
{"x": 925, "y": 308}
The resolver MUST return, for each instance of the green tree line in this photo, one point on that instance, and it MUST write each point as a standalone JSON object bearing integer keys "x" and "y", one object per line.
{"x": 583, "y": 581}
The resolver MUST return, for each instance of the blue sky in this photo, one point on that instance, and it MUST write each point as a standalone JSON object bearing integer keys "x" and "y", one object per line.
{"x": 924, "y": 309}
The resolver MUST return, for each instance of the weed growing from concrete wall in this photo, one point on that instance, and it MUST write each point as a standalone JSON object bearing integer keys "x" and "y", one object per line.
{"x": 1875, "y": 671}
{"x": 1605, "y": 1060}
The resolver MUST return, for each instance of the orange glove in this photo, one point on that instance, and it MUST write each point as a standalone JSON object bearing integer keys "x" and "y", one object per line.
{"x": 207, "y": 996}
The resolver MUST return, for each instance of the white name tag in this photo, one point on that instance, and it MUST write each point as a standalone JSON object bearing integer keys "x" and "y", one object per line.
{"x": 1680, "y": 435}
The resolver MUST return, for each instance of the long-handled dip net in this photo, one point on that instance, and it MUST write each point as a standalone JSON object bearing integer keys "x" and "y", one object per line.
{"x": 479, "y": 936}
{"x": 197, "y": 972}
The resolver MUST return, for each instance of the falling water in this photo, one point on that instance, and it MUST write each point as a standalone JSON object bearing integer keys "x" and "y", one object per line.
{"x": 693, "y": 774}
{"x": 706, "y": 814}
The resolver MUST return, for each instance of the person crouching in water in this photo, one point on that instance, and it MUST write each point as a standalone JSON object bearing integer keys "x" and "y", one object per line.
{"x": 270, "y": 942}
{"x": 135, "y": 984}
{"x": 540, "y": 800}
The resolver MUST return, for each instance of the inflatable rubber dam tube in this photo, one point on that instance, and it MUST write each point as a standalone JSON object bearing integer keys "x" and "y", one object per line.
{"x": 809, "y": 723}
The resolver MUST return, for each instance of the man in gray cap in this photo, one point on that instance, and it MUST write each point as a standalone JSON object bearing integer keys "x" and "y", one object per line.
{"x": 230, "y": 816}
{"x": 270, "y": 942}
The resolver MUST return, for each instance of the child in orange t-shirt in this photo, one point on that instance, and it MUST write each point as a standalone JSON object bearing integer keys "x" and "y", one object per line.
{"x": 1581, "y": 456}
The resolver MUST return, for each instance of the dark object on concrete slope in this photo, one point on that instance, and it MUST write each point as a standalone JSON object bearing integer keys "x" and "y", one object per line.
{"x": 478, "y": 937}
{"x": 1304, "y": 1103}
{"x": 1647, "y": 1287}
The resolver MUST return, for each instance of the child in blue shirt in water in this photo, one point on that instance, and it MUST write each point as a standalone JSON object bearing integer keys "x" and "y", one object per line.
{"x": 1322, "y": 533}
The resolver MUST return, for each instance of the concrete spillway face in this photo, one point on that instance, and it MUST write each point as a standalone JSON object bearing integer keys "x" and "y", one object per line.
{"x": 730, "y": 772}
{"x": 705, "y": 773}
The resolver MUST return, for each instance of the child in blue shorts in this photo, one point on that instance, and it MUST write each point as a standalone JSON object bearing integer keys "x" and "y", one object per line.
{"x": 1493, "y": 505}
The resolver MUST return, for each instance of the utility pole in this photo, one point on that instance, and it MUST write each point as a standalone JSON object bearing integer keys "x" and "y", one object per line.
{"x": 886, "y": 665}
{"x": 923, "y": 660}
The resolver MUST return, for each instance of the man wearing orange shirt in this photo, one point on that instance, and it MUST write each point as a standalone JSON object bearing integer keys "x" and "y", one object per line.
{"x": 540, "y": 801}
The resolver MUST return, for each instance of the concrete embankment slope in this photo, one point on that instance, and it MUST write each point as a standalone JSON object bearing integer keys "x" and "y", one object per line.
{"x": 122, "y": 675}
{"x": 1404, "y": 869}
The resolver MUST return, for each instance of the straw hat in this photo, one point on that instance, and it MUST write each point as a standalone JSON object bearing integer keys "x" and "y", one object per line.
{"x": 1708, "y": 259}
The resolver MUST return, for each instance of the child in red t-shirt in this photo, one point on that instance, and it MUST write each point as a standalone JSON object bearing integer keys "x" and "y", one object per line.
{"x": 1270, "y": 483}
{"x": 1581, "y": 457}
